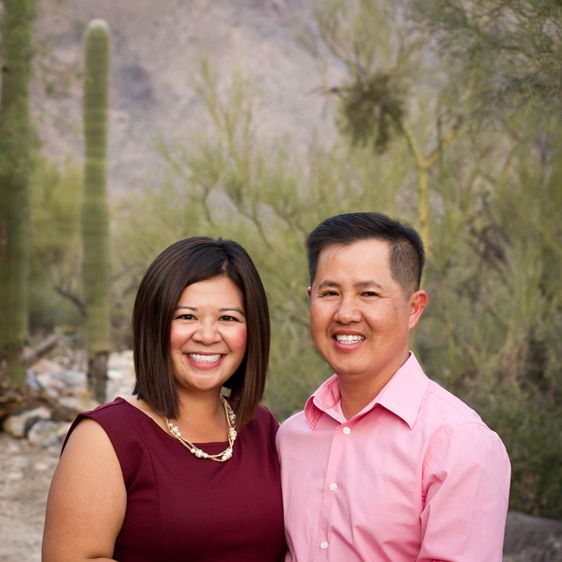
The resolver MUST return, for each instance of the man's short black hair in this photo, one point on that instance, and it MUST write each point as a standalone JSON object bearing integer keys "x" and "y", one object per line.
{"x": 407, "y": 255}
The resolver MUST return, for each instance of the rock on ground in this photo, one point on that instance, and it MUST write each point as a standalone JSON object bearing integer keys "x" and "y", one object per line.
{"x": 532, "y": 539}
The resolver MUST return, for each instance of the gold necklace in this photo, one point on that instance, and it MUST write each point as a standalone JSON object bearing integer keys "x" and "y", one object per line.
{"x": 219, "y": 457}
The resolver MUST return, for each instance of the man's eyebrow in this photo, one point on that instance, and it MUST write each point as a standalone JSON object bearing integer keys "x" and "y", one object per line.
{"x": 359, "y": 285}
{"x": 328, "y": 283}
{"x": 368, "y": 285}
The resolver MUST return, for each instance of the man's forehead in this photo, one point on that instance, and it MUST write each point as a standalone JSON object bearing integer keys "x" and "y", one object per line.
{"x": 378, "y": 243}
{"x": 369, "y": 248}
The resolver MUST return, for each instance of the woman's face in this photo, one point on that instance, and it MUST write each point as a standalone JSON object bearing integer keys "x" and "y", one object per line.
{"x": 208, "y": 335}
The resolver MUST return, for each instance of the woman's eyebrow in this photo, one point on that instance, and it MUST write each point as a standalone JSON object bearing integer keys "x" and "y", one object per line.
{"x": 224, "y": 309}
{"x": 234, "y": 308}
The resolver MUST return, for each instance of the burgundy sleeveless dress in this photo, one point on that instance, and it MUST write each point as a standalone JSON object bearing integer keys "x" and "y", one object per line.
{"x": 184, "y": 509}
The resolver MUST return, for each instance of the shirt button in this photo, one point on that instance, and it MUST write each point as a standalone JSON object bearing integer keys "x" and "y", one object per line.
{"x": 347, "y": 430}
{"x": 333, "y": 486}
{"x": 324, "y": 545}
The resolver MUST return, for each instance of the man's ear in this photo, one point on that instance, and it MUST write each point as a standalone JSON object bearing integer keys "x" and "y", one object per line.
{"x": 417, "y": 303}
{"x": 309, "y": 291}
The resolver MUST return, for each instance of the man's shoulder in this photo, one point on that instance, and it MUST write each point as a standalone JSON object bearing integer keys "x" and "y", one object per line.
{"x": 294, "y": 423}
{"x": 296, "y": 418}
{"x": 447, "y": 407}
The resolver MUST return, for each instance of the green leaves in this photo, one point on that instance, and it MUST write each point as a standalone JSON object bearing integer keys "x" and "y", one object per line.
{"x": 372, "y": 109}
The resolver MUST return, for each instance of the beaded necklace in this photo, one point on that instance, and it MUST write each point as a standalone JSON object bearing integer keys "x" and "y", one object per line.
{"x": 200, "y": 454}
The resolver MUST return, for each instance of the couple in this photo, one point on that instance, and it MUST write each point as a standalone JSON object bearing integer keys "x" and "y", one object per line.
{"x": 382, "y": 465}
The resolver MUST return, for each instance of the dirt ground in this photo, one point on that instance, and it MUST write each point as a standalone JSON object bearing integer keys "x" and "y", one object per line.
{"x": 26, "y": 471}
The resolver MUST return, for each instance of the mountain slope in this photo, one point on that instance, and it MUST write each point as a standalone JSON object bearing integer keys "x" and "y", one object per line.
{"x": 156, "y": 49}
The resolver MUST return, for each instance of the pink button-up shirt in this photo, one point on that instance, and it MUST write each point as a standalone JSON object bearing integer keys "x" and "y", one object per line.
{"x": 415, "y": 476}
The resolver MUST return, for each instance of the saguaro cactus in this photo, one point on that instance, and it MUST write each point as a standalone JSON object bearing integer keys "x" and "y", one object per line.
{"x": 15, "y": 160}
{"x": 95, "y": 216}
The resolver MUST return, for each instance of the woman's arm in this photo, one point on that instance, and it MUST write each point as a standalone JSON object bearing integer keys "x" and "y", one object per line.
{"x": 87, "y": 499}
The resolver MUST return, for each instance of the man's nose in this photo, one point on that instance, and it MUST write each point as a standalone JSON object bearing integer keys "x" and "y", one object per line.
{"x": 347, "y": 311}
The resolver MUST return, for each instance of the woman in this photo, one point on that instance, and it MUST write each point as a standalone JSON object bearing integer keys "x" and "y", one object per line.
{"x": 176, "y": 472}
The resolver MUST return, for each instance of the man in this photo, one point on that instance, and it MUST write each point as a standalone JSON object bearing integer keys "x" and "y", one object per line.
{"x": 383, "y": 464}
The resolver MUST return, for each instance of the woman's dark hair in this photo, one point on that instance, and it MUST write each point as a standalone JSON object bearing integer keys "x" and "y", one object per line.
{"x": 183, "y": 263}
{"x": 407, "y": 255}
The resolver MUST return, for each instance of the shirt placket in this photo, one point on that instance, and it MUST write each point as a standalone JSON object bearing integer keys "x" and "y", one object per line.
{"x": 341, "y": 440}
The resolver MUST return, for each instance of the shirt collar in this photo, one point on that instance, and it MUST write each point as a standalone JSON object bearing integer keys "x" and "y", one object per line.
{"x": 402, "y": 395}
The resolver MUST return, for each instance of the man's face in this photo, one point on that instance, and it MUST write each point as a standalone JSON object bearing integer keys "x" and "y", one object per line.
{"x": 360, "y": 317}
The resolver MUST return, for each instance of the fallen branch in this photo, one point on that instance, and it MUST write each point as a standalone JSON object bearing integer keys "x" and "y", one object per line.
{"x": 30, "y": 356}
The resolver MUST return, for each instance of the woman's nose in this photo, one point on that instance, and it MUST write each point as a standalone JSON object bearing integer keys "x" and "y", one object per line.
{"x": 206, "y": 333}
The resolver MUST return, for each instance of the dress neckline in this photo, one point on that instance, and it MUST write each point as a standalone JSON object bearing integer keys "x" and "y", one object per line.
{"x": 120, "y": 399}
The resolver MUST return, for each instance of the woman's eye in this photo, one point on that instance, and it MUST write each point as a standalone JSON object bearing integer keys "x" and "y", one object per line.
{"x": 228, "y": 318}
{"x": 185, "y": 317}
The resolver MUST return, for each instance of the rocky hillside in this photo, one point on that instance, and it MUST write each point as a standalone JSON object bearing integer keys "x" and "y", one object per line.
{"x": 157, "y": 47}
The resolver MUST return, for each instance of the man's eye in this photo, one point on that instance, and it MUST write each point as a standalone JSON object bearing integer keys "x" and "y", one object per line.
{"x": 369, "y": 294}
{"x": 329, "y": 294}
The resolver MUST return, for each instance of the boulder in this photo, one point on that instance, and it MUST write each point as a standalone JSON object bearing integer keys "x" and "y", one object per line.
{"x": 48, "y": 433}
{"x": 19, "y": 423}
{"x": 532, "y": 539}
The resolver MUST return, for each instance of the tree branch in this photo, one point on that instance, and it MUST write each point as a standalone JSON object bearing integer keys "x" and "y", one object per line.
{"x": 75, "y": 300}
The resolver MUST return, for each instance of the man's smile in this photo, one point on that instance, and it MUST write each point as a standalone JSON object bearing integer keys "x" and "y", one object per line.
{"x": 348, "y": 339}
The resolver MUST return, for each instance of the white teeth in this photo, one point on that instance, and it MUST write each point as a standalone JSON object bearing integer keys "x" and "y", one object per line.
{"x": 341, "y": 338}
{"x": 205, "y": 358}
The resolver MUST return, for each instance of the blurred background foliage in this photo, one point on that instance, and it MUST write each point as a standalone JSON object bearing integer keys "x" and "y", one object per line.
{"x": 447, "y": 117}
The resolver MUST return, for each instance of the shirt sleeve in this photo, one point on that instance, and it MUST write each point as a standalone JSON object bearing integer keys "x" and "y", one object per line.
{"x": 466, "y": 477}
